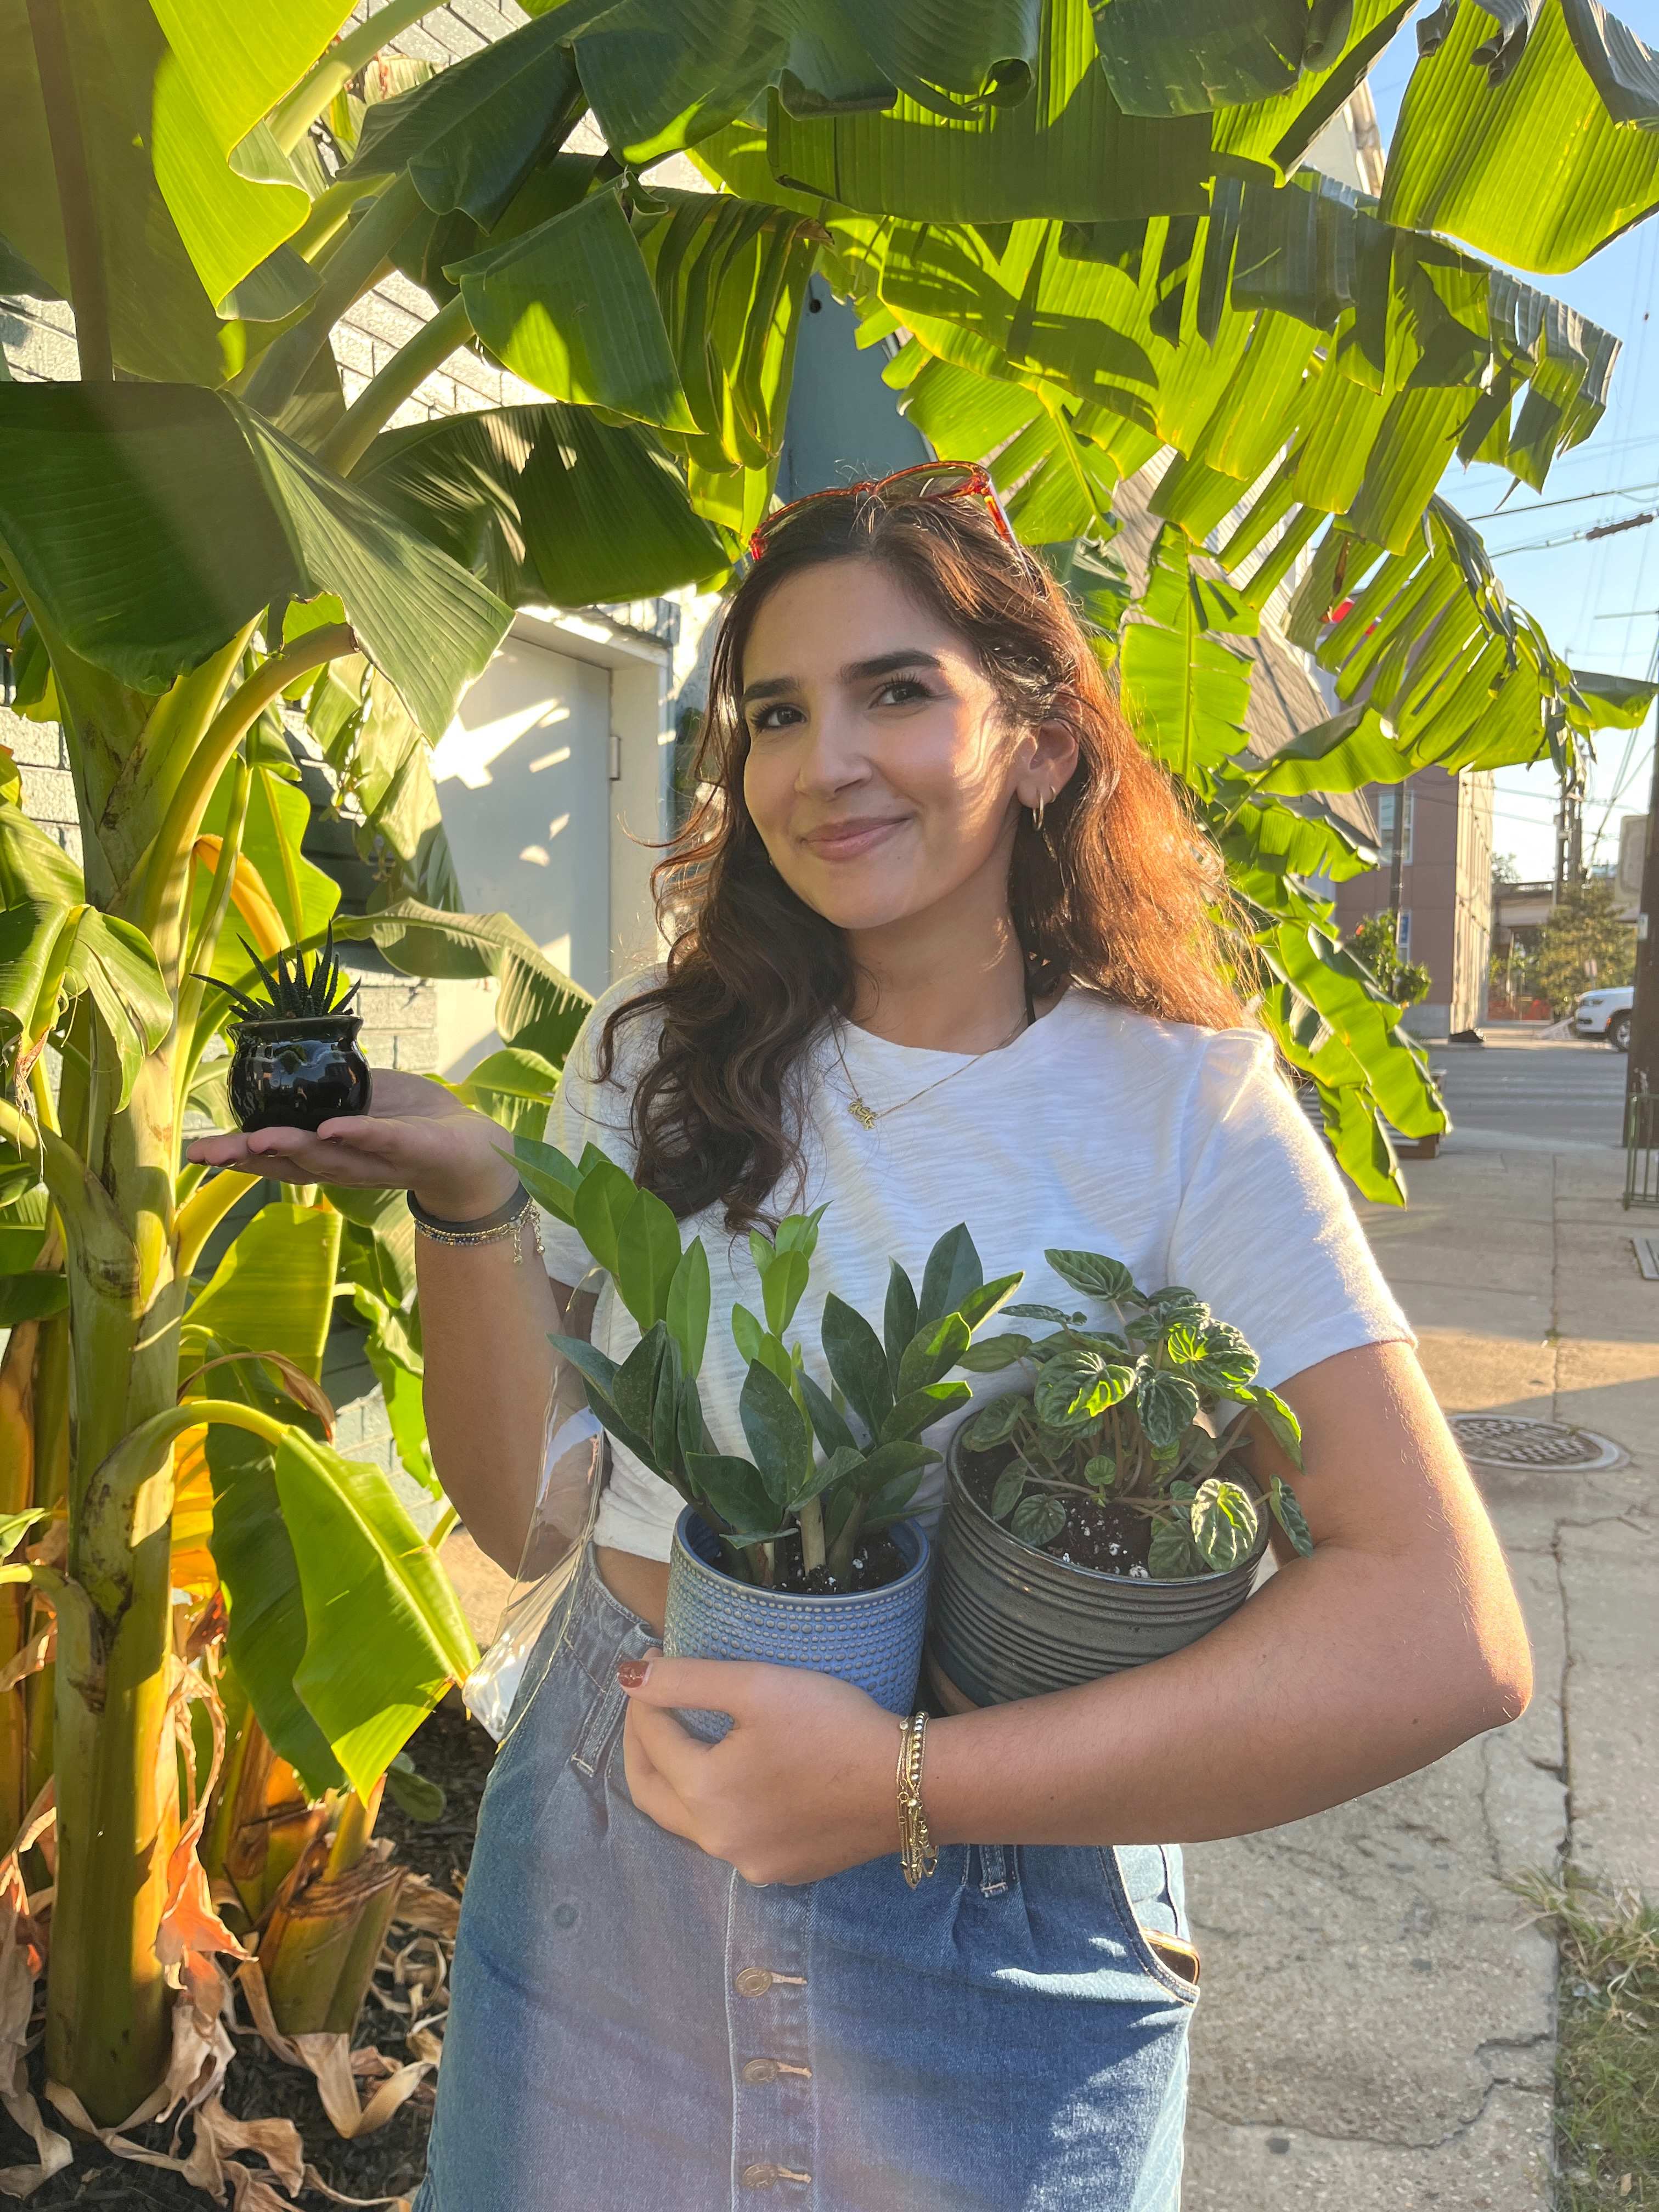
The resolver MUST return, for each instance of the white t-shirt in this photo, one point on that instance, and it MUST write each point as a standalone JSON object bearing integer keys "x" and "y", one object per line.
{"x": 1179, "y": 1151}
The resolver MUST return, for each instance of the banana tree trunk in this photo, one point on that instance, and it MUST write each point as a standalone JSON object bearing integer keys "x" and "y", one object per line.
{"x": 319, "y": 1946}
{"x": 325, "y": 1944}
{"x": 107, "y": 2034}
{"x": 18, "y": 1391}
{"x": 51, "y": 1450}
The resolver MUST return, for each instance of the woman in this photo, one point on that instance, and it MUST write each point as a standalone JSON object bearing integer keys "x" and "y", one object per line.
{"x": 941, "y": 950}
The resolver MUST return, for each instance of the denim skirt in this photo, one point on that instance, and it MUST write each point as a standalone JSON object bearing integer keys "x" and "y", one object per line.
{"x": 632, "y": 2026}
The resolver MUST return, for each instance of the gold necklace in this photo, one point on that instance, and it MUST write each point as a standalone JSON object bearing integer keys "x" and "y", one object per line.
{"x": 867, "y": 1116}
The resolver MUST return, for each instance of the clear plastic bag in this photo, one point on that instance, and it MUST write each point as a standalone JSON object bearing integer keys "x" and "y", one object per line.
{"x": 573, "y": 1464}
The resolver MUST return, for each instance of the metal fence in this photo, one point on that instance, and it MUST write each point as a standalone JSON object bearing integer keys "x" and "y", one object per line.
{"x": 1641, "y": 1146}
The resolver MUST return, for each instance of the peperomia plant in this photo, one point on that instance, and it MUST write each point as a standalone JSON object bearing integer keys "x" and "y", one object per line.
{"x": 832, "y": 1466}
{"x": 1122, "y": 1414}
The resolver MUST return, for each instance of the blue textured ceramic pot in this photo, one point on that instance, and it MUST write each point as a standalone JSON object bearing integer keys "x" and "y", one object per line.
{"x": 872, "y": 1638}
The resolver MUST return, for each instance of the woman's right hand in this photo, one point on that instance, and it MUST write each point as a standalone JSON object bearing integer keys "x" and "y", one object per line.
{"x": 416, "y": 1137}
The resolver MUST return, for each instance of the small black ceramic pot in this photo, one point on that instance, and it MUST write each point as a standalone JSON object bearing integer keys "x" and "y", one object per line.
{"x": 299, "y": 1073}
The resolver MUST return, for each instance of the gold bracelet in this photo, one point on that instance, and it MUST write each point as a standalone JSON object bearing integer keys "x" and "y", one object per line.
{"x": 508, "y": 1220}
{"x": 917, "y": 1855}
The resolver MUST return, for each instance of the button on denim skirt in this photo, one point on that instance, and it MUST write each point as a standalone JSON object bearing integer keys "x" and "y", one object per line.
{"x": 633, "y": 2027}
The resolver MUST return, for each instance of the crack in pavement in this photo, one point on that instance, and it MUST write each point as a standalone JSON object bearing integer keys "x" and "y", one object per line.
{"x": 1460, "y": 2129}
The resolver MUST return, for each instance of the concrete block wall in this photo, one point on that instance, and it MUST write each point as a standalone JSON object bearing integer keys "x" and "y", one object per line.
{"x": 42, "y": 758}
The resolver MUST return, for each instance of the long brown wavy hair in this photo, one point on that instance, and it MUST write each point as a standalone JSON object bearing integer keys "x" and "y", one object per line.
{"x": 1117, "y": 893}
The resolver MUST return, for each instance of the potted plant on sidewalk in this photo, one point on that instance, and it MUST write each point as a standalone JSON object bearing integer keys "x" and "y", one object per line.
{"x": 800, "y": 1552}
{"x": 1104, "y": 1513}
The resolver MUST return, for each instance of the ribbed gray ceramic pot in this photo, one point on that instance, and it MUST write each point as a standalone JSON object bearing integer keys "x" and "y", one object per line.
{"x": 1009, "y": 1622}
{"x": 872, "y": 1638}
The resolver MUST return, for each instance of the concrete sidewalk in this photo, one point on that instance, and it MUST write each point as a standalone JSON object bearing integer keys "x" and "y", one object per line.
{"x": 1377, "y": 2029}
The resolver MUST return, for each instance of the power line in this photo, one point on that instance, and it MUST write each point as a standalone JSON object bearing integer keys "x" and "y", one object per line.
{"x": 1610, "y": 529}
{"x": 1576, "y": 499}
{"x": 1627, "y": 777}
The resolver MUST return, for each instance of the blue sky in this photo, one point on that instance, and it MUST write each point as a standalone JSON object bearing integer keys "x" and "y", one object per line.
{"x": 1573, "y": 587}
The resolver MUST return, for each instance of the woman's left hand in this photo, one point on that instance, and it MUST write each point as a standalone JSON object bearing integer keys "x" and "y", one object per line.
{"x": 803, "y": 1786}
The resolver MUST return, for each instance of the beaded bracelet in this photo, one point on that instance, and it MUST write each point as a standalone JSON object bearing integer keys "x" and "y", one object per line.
{"x": 917, "y": 1854}
{"x": 488, "y": 1228}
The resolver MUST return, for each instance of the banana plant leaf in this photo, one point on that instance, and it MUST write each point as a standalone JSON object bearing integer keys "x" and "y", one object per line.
{"x": 31, "y": 1295}
{"x": 233, "y": 193}
{"x": 383, "y": 765}
{"x": 1361, "y": 1016}
{"x": 569, "y": 306}
{"x": 266, "y": 1636}
{"x": 1065, "y": 148}
{"x": 194, "y": 514}
{"x": 301, "y": 896}
{"x": 1540, "y": 162}
{"x": 730, "y": 276}
{"x": 1353, "y": 1126}
{"x": 514, "y": 1087}
{"x": 19, "y": 281}
{"x": 391, "y": 1346}
{"x": 23, "y": 1233}
{"x": 660, "y": 79}
{"x": 1616, "y": 703}
{"x": 1265, "y": 837}
{"x": 361, "y": 1559}
{"x": 32, "y": 864}
{"x": 343, "y": 1628}
{"x": 1289, "y": 316}
{"x": 1185, "y": 688}
{"x": 1443, "y": 667}
{"x": 1345, "y": 753}
{"x": 48, "y": 955}
{"x": 1186, "y": 57}
{"x": 537, "y": 1007}
{"x": 274, "y": 1289}
{"x": 377, "y": 1245}
{"x": 470, "y": 136}
{"x": 162, "y": 323}
{"x": 1113, "y": 124}
{"x": 241, "y": 56}
{"x": 448, "y": 240}
{"x": 1055, "y": 482}
{"x": 1280, "y": 127}
{"x": 547, "y": 506}
{"x": 390, "y": 76}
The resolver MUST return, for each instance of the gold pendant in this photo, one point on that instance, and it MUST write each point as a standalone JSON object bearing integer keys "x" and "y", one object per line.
{"x": 860, "y": 1112}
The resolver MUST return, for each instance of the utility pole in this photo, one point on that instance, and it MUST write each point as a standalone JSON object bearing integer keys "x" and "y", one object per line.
{"x": 1575, "y": 806}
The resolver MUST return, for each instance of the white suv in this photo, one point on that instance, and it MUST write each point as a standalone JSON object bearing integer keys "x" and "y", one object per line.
{"x": 1605, "y": 1013}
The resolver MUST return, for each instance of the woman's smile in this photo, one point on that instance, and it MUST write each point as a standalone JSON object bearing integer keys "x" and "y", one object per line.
{"x": 852, "y": 839}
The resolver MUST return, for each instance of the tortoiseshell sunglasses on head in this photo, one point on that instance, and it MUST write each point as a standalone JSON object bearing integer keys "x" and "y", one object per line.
{"x": 928, "y": 479}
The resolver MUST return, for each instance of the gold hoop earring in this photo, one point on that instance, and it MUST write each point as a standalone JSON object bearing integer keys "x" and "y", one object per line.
{"x": 1037, "y": 812}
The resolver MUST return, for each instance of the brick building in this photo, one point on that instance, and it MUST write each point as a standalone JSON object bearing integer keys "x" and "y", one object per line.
{"x": 1444, "y": 823}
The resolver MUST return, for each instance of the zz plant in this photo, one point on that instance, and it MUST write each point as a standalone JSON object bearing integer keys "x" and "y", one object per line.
{"x": 1123, "y": 1412}
{"x": 830, "y": 1467}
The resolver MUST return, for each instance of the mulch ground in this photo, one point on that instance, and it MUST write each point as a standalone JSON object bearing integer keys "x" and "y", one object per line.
{"x": 451, "y": 1750}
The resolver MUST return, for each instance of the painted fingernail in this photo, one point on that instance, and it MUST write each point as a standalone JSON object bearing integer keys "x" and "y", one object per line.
{"x": 631, "y": 1672}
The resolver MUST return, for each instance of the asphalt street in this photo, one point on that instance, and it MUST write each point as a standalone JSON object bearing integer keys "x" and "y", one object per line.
{"x": 1526, "y": 1094}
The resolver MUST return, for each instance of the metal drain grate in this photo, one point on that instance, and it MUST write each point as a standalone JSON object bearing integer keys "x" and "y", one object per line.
{"x": 1508, "y": 1440}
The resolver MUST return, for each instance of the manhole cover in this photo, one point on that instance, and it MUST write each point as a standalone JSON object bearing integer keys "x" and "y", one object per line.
{"x": 1507, "y": 1440}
